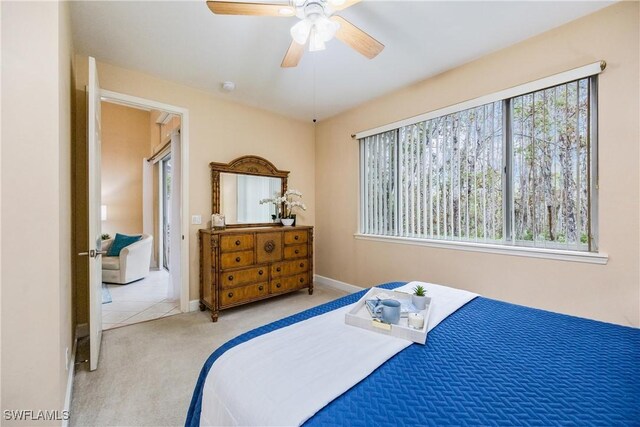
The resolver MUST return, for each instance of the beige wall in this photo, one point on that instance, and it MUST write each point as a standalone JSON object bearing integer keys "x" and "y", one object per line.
{"x": 125, "y": 142}
{"x": 161, "y": 133}
{"x": 66, "y": 118}
{"x": 220, "y": 131}
{"x": 154, "y": 130}
{"x": 610, "y": 292}
{"x": 36, "y": 209}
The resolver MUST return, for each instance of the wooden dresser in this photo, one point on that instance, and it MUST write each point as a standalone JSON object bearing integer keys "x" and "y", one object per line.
{"x": 242, "y": 265}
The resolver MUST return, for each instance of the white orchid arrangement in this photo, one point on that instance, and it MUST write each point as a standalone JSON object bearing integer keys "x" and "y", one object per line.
{"x": 288, "y": 200}
{"x": 277, "y": 203}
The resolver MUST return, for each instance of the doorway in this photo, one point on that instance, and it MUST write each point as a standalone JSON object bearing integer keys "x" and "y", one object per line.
{"x": 89, "y": 233}
{"x": 138, "y": 284}
{"x": 179, "y": 169}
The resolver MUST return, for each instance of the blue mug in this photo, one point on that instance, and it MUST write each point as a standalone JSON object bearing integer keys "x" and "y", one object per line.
{"x": 389, "y": 310}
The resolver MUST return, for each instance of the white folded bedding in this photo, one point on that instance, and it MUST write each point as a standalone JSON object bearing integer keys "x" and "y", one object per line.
{"x": 286, "y": 376}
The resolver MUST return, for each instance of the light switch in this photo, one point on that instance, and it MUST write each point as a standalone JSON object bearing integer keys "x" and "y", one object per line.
{"x": 196, "y": 219}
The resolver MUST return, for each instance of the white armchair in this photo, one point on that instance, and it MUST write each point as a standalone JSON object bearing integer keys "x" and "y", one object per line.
{"x": 132, "y": 264}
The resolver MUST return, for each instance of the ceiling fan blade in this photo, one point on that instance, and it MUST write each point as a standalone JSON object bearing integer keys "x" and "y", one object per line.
{"x": 356, "y": 38}
{"x": 344, "y": 5}
{"x": 293, "y": 55}
{"x": 258, "y": 9}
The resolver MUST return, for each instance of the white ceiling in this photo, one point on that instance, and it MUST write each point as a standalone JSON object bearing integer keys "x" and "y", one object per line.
{"x": 184, "y": 42}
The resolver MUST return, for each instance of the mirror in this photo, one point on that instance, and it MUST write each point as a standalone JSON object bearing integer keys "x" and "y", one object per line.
{"x": 241, "y": 194}
{"x": 238, "y": 187}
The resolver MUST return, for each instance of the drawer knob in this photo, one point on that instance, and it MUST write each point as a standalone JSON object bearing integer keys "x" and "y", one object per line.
{"x": 269, "y": 246}
{"x": 301, "y": 280}
{"x": 260, "y": 272}
{"x": 278, "y": 285}
{"x": 297, "y": 251}
{"x": 237, "y": 259}
{"x": 230, "y": 278}
{"x": 296, "y": 237}
{"x": 302, "y": 265}
{"x": 237, "y": 242}
{"x": 260, "y": 288}
{"x": 278, "y": 269}
{"x": 230, "y": 294}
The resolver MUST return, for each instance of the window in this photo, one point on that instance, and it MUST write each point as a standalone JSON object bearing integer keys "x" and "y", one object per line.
{"x": 516, "y": 171}
{"x": 550, "y": 163}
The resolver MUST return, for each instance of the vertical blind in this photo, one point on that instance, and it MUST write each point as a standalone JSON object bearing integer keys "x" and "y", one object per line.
{"x": 514, "y": 171}
{"x": 379, "y": 156}
{"x": 450, "y": 169}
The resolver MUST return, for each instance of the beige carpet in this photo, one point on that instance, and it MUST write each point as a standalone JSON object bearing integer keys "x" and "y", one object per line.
{"x": 147, "y": 371}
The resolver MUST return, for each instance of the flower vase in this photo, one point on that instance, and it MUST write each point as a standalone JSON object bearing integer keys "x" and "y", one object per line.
{"x": 287, "y": 222}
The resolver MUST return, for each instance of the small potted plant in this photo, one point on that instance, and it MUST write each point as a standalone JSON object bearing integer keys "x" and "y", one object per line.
{"x": 419, "y": 297}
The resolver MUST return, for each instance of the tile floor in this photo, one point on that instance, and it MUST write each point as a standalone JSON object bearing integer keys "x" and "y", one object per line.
{"x": 139, "y": 301}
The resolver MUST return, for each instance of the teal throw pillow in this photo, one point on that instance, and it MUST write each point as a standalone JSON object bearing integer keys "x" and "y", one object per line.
{"x": 120, "y": 242}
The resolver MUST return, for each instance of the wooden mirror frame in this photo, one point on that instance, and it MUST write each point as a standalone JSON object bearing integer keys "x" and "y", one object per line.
{"x": 246, "y": 165}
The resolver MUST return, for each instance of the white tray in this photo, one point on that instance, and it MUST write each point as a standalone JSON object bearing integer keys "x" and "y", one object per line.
{"x": 359, "y": 316}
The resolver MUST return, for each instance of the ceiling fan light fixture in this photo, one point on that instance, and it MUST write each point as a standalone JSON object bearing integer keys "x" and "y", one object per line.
{"x": 300, "y": 31}
{"x": 316, "y": 42}
{"x": 337, "y": 2}
{"x": 325, "y": 28}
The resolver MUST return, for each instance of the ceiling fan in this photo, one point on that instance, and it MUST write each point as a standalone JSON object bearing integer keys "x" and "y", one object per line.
{"x": 318, "y": 24}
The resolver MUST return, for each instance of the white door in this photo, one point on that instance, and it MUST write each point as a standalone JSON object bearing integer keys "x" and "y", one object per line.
{"x": 95, "y": 226}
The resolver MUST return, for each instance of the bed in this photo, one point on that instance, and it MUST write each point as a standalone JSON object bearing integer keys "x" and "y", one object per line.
{"x": 488, "y": 363}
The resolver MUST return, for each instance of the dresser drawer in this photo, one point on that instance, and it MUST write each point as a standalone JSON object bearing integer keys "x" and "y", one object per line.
{"x": 236, "y": 242}
{"x": 229, "y": 297}
{"x": 297, "y": 251}
{"x": 236, "y": 259}
{"x": 290, "y": 283}
{"x": 289, "y": 268}
{"x": 230, "y": 279}
{"x": 295, "y": 237}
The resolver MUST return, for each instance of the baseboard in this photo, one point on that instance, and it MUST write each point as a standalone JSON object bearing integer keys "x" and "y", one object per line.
{"x": 336, "y": 284}
{"x": 194, "y": 305}
{"x": 71, "y": 370}
{"x": 82, "y": 330}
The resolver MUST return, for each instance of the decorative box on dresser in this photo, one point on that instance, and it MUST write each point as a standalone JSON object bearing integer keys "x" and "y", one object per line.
{"x": 243, "y": 265}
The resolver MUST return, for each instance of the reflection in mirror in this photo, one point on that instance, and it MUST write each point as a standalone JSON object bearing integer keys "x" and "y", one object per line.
{"x": 240, "y": 197}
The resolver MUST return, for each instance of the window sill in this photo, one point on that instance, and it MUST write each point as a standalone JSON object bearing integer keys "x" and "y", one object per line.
{"x": 555, "y": 254}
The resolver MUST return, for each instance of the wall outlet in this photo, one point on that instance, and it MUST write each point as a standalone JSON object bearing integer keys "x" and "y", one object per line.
{"x": 196, "y": 219}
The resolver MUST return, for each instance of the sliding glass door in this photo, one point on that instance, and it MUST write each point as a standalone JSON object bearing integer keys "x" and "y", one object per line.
{"x": 166, "y": 210}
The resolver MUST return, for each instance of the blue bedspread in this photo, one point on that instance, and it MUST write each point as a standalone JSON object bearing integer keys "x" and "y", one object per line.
{"x": 489, "y": 363}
